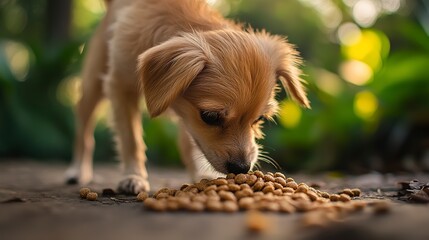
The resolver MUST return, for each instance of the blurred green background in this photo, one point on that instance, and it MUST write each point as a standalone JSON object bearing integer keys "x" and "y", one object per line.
{"x": 366, "y": 63}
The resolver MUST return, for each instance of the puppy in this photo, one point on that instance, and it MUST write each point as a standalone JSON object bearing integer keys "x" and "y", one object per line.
{"x": 218, "y": 78}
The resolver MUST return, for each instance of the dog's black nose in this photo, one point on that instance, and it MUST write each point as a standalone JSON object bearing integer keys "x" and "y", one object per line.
{"x": 237, "y": 167}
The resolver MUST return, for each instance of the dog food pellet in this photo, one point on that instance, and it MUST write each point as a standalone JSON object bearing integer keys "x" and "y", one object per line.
{"x": 92, "y": 196}
{"x": 344, "y": 197}
{"x": 220, "y": 181}
{"x": 83, "y": 192}
{"x": 240, "y": 178}
{"x": 279, "y": 174}
{"x": 253, "y": 191}
{"x": 256, "y": 222}
{"x": 233, "y": 187}
{"x": 380, "y": 207}
{"x": 214, "y": 206}
{"x": 142, "y": 196}
{"x": 356, "y": 192}
{"x": 251, "y": 180}
{"x": 292, "y": 184}
{"x": 230, "y": 176}
{"x": 269, "y": 178}
{"x": 224, "y": 195}
{"x": 348, "y": 192}
{"x": 108, "y": 192}
{"x": 230, "y": 206}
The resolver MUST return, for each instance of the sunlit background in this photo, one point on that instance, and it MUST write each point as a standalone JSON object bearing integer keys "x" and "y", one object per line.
{"x": 366, "y": 64}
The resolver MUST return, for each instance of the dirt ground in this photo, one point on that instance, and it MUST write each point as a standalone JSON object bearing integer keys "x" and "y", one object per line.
{"x": 35, "y": 204}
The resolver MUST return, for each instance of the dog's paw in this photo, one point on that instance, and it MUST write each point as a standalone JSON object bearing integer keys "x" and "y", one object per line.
{"x": 75, "y": 176}
{"x": 133, "y": 184}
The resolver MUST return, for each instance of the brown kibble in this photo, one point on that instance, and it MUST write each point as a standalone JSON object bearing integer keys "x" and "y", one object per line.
{"x": 279, "y": 174}
{"x": 251, "y": 179}
{"x": 281, "y": 181}
{"x": 258, "y": 185}
{"x": 356, "y": 192}
{"x": 345, "y": 197}
{"x": 278, "y": 186}
{"x": 300, "y": 196}
{"x": 200, "y": 186}
{"x": 142, "y": 196}
{"x": 159, "y": 205}
{"x": 166, "y": 190}
{"x": 288, "y": 190}
{"x": 243, "y": 193}
{"x": 269, "y": 178}
{"x": 230, "y": 206}
{"x": 347, "y": 191}
{"x": 302, "y": 189}
{"x": 312, "y": 195}
{"x": 220, "y": 181}
{"x": 334, "y": 197}
{"x": 230, "y": 176}
{"x": 268, "y": 189}
{"x": 278, "y": 192}
{"x": 148, "y": 203}
{"x": 259, "y": 174}
{"x": 184, "y": 186}
{"x": 325, "y": 195}
{"x": 381, "y": 207}
{"x": 233, "y": 187}
{"x": 246, "y": 203}
{"x": 244, "y": 186}
{"x": 270, "y": 173}
{"x": 290, "y": 180}
{"x": 183, "y": 201}
{"x": 172, "y": 205}
{"x": 256, "y": 222}
{"x": 227, "y": 196}
{"x": 92, "y": 196}
{"x": 199, "y": 198}
{"x": 84, "y": 191}
{"x": 222, "y": 188}
{"x": 108, "y": 192}
{"x": 211, "y": 193}
{"x": 210, "y": 188}
{"x": 162, "y": 195}
{"x": 214, "y": 206}
{"x": 293, "y": 185}
{"x": 286, "y": 207}
{"x": 240, "y": 178}
{"x": 196, "y": 207}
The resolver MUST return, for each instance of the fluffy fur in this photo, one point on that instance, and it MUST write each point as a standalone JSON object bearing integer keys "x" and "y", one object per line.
{"x": 183, "y": 56}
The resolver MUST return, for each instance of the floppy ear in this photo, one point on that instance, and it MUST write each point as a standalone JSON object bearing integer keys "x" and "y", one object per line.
{"x": 286, "y": 61}
{"x": 168, "y": 69}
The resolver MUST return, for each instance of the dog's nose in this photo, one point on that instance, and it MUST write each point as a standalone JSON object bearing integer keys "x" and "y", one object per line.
{"x": 237, "y": 167}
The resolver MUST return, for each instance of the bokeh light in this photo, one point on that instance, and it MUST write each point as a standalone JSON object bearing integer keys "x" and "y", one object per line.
{"x": 365, "y": 105}
{"x": 289, "y": 114}
{"x": 18, "y": 59}
{"x": 356, "y": 72}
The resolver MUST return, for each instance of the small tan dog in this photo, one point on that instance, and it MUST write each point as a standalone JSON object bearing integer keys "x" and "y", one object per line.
{"x": 219, "y": 79}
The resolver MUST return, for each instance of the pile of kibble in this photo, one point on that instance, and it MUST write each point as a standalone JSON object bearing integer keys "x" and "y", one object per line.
{"x": 253, "y": 191}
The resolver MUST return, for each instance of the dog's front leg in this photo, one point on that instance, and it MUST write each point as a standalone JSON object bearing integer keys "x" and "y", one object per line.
{"x": 128, "y": 130}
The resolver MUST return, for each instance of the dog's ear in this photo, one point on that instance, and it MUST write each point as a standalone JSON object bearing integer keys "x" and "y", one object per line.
{"x": 287, "y": 61}
{"x": 167, "y": 70}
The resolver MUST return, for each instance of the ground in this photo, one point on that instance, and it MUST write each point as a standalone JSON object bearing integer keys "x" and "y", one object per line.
{"x": 35, "y": 204}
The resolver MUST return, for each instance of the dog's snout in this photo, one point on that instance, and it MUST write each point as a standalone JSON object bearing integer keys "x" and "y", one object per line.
{"x": 237, "y": 166}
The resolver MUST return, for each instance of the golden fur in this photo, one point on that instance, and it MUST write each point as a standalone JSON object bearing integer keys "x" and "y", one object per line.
{"x": 184, "y": 56}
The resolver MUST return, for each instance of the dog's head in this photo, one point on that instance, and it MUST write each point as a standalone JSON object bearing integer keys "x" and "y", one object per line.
{"x": 222, "y": 85}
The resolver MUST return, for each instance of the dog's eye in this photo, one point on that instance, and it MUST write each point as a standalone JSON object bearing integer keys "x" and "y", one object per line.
{"x": 211, "y": 118}
{"x": 260, "y": 119}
